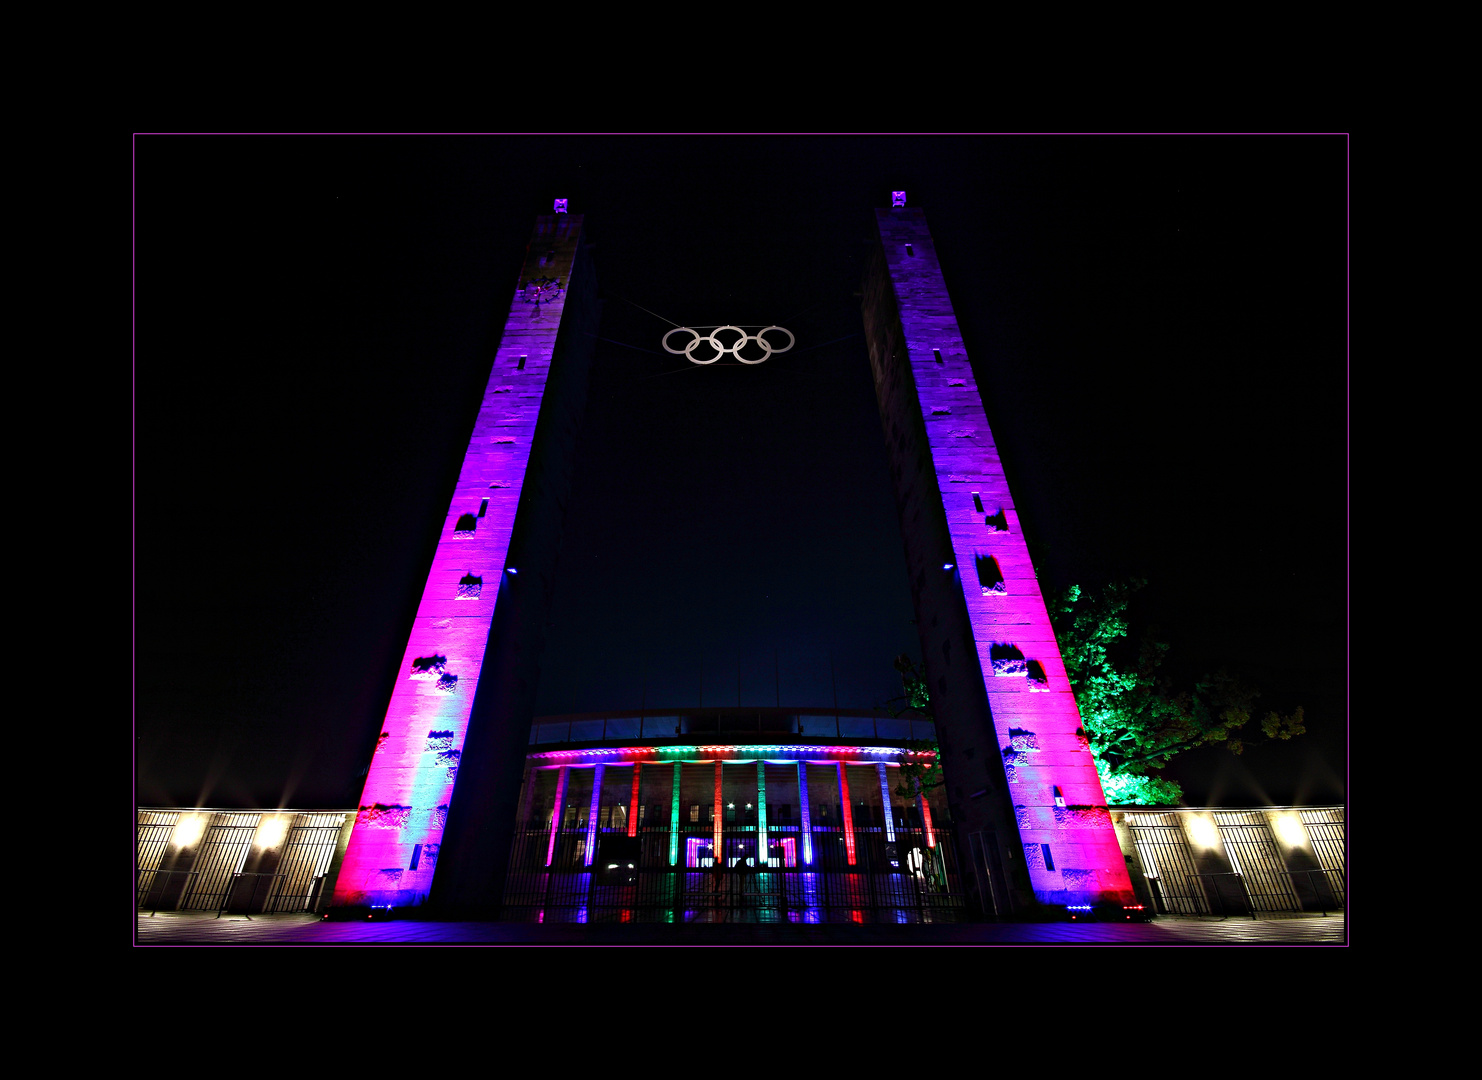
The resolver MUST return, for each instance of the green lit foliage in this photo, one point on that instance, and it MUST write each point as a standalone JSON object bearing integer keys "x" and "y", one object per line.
{"x": 918, "y": 775}
{"x": 1135, "y": 720}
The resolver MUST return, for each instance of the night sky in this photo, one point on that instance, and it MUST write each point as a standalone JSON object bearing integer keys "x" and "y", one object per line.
{"x": 1158, "y": 326}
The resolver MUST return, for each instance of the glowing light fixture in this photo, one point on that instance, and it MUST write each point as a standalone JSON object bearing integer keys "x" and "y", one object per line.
{"x": 1291, "y": 831}
{"x": 188, "y": 830}
{"x": 947, "y": 566}
{"x": 1203, "y": 832}
{"x": 270, "y": 832}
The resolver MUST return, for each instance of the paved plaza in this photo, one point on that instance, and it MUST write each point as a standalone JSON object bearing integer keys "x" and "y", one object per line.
{"x": 190, "y": 928}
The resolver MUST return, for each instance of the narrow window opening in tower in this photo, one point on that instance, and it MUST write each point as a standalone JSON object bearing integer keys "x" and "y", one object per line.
{"x": 1049, "y": 861}
{"x": 977, "y": 502}
{"x": 416, "y": 856}
{"x": 910, "y": 251}
{"x": 520, "y": 366}
{"x": 936, "y": 355}
{"x": 990, "y": 576}
{"x": 483, "y": 508}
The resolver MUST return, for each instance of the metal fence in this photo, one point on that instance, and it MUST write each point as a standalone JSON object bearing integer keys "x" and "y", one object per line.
{"x": 1253, "y": 876}
{"x": 632, "y": 879}
{"x": 1168, "y": 864}
{"x": 1256, "y": 860}
{"x": 155, "y": 828}
{"x": 203, "y": 869}
{"x": 1327, "y": 832}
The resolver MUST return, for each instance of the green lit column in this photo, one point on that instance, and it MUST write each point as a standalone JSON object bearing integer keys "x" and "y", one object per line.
{"x": 674, "y": 820}
{"x": 761, "y": 814}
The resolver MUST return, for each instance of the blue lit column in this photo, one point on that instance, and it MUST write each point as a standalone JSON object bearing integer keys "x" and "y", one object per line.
{"x": 807, "y": 817}
{"x": 592, "y": 814}
{"x": 885, "y": 798}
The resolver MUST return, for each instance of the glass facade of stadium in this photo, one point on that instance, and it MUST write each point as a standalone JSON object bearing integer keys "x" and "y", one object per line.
{"x": 744, "y": 815}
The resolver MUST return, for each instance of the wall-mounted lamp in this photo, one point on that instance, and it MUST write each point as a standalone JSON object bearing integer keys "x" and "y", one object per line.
{"x": 270, "y": 832}
{"x": 1204, "y": 832}
{"x": 188, "y": 830}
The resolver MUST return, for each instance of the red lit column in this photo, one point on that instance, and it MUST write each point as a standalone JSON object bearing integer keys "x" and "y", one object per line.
{"x": 633, "y": 805}
{"x": 925, "y": 808}
{"x": 848, "y": 813}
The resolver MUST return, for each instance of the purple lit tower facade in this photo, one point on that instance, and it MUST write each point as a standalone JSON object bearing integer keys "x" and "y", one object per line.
{"x": 472, "y": 662}
{"x": 1016, "y": 758}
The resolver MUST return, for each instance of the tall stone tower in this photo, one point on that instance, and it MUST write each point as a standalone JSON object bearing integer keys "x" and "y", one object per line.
{"x": 1022, "y": 784}
{"x": 472, "y": 663}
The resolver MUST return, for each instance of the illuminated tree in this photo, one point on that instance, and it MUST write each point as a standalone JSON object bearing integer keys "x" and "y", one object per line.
{"x": 1135, "y": 720}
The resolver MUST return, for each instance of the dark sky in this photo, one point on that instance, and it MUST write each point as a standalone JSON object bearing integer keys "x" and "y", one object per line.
{"x": 1158, "y": 326}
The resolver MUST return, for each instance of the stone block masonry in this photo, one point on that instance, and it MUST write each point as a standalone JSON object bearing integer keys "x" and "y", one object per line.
{"x": 472, "y": 660}
{"x": 1006, "y": 718}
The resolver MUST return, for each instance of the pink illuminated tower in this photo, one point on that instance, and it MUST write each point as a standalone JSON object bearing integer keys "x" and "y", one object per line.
{"x": 1022, "y": 783}
{"x": 472, "y": 662}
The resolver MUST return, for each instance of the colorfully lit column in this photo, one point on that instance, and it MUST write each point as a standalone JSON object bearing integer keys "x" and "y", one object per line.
{"x": 885, "y": 801}
{"x": 592, "y": 813}
{"x": 807, "y": 828}
{"x": 761, "y": 813}
{"x": 848, "y": 813}
{"x": 674, "y": 820}
{"x": 984, "y": 627}
{"x": 633, "y": 803}
{"x": 556, "y": 812}
{"x": 719, "y": 816}
{"x": 925, "y": 808}
{"x": 409, "y": 785}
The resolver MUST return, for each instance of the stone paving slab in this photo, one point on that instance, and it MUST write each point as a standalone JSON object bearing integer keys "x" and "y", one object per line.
{"x": 191, "y": 929}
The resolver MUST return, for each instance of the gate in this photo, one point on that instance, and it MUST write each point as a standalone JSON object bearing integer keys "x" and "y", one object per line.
{"x": 1255, "y": 858}
{"x": 1327, "y": 831}
{"x": 1167, "y": 864}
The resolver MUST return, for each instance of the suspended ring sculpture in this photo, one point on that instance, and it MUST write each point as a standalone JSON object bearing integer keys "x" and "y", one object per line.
{"x": 688, "y": 352}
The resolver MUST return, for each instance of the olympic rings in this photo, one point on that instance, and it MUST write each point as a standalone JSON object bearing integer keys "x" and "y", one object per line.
{"x": 688, "y": 352}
